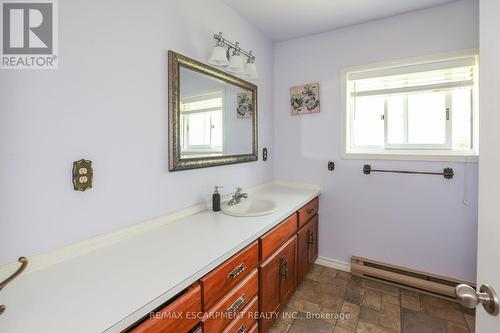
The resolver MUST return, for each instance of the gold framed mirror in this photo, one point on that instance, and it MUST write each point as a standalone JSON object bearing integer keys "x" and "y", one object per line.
{"x": 212, "y": 116}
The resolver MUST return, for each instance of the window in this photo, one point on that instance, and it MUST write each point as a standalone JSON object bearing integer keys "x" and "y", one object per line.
{"x": 202, "y": 124}
{"x": 412, "y": 108}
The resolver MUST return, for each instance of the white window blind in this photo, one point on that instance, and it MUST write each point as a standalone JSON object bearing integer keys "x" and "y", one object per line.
{"x": 453, "y": 74}
{"x": 202, "y": 103}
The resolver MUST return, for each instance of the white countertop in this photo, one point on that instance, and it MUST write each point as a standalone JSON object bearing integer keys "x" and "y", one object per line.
{"x": 113, "y": 286}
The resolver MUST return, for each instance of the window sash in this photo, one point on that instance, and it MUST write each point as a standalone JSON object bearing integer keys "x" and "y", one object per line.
{"x": 199, "y": 148}
{"x": 447, "y": 145}
{"x": 209, "y": 110}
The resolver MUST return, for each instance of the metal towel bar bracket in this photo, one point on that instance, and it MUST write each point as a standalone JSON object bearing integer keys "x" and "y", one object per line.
{"x": 24, "y": 264}
{"x": 447, "y": 172}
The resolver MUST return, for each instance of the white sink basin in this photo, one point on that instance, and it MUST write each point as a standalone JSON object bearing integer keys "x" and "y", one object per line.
{"x": 250, "y": 207}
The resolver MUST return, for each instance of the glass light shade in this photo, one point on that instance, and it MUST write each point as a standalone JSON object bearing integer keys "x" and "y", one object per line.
{"x": 218, "y": 57}
{"x": 250, "y": 70}
{"x": 235, "y": 64}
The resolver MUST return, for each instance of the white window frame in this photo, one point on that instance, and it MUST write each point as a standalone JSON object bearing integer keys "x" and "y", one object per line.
{"x": 205, "y": 149}
{"x": 418, "y": 152}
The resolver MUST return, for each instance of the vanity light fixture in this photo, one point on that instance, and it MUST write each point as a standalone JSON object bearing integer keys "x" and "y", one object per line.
{"x": 236, "y": 62}
{"x": 250, "y": 68}
{"x": 219, "y": 57}
{"x": 233, "y": 58}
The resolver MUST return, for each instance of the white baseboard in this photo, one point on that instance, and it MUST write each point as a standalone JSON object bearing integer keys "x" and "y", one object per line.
{"x": 332, "y": 263}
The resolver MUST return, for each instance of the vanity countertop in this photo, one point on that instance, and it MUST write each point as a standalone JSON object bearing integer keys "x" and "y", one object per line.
{"x": 111, "y": 287}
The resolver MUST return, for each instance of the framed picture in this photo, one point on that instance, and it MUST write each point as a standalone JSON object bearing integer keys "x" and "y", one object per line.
{"x": 304, "y": 99}
{"x": 244, "y": 104}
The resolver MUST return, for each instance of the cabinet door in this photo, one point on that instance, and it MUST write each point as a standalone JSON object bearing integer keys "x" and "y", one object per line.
{"x": 278, "y": 279}
{"x": 313, "y": 240}
{"x": 269, "y": 290}
{"x": 288, "y": 269}
{"x": 303, "y": 252}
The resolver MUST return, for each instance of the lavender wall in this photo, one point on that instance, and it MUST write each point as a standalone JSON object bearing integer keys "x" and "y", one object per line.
{"x": 108, "y": 102}
{"x": 416, "y": 221}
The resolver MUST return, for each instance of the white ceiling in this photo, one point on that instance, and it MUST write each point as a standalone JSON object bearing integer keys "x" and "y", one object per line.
{"x": 286, "y": 19}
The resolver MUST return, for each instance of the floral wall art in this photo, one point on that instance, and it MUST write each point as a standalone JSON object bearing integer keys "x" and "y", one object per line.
{"x": 304, "y": 99}
{"x": 244, "y": 107}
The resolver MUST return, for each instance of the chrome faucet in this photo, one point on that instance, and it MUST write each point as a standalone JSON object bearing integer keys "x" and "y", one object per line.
{"x": 237, "y": 196}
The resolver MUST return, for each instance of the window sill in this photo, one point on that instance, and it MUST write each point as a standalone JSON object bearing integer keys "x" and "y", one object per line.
{"x": 402, "y": 155}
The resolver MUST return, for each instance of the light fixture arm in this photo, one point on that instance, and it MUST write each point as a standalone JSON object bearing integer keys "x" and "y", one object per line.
{"x": 221, "y": 40}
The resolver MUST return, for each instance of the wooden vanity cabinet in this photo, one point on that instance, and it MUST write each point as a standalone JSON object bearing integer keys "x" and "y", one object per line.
{"x": 256, "y": 282}
{"x": 278, "y": 281}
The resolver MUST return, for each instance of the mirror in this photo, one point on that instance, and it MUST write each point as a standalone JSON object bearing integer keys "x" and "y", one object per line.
{"x": 212, "y": 116}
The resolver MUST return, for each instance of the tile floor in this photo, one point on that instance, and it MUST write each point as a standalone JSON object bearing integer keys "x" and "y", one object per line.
{"x": 335, "y": 302}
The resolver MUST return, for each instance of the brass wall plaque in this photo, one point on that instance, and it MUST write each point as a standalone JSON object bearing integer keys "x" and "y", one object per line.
{"x": 82, "y": 175}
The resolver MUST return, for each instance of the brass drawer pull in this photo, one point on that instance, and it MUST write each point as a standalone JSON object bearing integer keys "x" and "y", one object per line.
{"x": 237, "y": 271}
{"x": 24, "y": 264}
{"x": 236, "y": 304}
{"x": 242, "y": 329}
{"x": 310, "y": 210}
{"x": 310, "y": 240}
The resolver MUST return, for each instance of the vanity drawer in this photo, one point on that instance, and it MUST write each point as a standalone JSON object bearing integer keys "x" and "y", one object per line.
{"x": 179, "y": 309}
{"x": 218, "y": 282}
{"x": 276, "y": 237}
{"x": 246, "y": 320}
{"x": 232, "y": 304}
{"x": 309, "y": 210}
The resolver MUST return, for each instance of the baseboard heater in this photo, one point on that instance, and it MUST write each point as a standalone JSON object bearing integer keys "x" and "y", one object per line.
{"x": 406, "y": 278}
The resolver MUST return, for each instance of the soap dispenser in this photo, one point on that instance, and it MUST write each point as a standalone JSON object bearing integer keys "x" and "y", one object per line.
{"x": 216, "y": 199}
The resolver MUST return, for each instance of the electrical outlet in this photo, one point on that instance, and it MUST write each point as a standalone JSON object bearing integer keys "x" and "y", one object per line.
{"x": 82, "y": 175}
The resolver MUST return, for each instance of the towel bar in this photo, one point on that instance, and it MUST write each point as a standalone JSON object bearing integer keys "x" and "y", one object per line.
{"x": 447, "y": 172}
